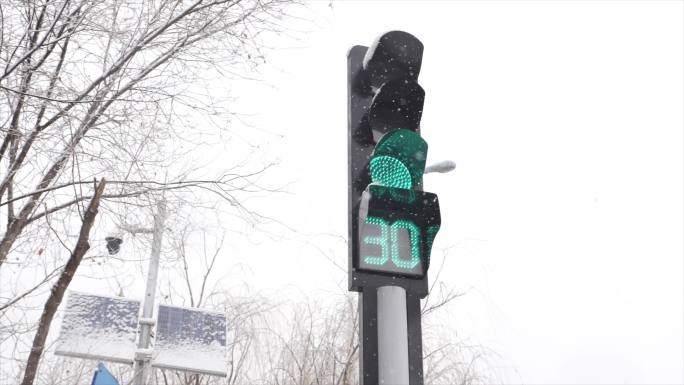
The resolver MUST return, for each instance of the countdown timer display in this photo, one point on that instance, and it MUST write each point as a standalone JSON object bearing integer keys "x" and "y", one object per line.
{"x": 396, "y": 230}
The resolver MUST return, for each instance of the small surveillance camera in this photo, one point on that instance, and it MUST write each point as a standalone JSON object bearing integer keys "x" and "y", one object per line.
{"x": 113, "y": 244}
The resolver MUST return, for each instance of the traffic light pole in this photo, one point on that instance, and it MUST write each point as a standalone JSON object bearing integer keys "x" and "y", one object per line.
{"x": 392, "y": 221}
{"x": 370, "y": 300}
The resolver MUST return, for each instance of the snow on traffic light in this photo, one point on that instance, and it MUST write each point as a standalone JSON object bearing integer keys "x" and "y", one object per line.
{"x": 392, "y": 222}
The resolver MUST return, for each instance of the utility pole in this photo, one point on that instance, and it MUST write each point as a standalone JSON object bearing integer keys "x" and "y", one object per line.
{"x": 142, "y": 356}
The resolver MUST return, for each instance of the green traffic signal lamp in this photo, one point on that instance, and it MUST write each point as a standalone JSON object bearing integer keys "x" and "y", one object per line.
{"x": 397, "y": 221}
{"x": 399, "y": 160}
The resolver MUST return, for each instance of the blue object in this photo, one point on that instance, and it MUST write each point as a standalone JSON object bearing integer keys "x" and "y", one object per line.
{"x": 103, "y": 376}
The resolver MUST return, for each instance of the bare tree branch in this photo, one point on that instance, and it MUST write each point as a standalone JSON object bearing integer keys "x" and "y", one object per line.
{"x": 60, "y": 287}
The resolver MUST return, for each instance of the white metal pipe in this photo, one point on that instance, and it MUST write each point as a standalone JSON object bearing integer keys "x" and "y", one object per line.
{"x": 393, "y": 363}
{"x": 141, "y": 361}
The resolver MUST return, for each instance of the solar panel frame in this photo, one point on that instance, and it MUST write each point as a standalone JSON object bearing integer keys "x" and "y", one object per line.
{"x": 99, "y": 327}
{"x": 190, "y": 339}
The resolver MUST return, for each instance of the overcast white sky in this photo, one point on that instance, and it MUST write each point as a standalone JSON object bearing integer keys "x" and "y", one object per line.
{"x": 564, "y": 220}
{"x": 564, "y": 217}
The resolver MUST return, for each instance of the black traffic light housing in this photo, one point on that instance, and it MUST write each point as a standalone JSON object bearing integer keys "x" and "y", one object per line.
{"x": 384, "y": 96}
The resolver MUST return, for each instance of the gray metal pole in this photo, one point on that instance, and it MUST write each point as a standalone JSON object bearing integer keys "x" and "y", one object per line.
{"x": 142, "y": 357}
{"x": 393, "y": 361}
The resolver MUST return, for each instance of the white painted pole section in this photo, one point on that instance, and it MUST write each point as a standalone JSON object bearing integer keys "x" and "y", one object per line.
{"x": 142, "y": 361}
{"x": 393, "y": 360}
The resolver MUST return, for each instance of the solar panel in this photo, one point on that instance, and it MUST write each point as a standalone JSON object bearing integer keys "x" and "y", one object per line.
{"x": 190, "y": 340}
{"x": 99, "y": 327}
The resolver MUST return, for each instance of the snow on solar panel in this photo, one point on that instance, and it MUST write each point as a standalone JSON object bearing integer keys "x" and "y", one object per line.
{"x": 191, "y": 340}
{"x": 99, "y": 327}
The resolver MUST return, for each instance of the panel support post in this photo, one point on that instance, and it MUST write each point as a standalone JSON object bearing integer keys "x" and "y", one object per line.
{"x": 142, "y": 360}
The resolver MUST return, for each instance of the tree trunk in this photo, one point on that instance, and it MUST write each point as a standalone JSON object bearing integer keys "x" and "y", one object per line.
{"x": 57, "y": 292}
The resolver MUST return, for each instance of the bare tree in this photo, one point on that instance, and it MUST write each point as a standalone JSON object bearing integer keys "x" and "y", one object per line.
{"x": 91, "y": 87}
{"x": 315, "y": 344}
{"x": 448, "y": 358}
{"x": 318, "y": 344}
{"x": 122, "y": 89}
{"x": 193, "y": 281}
{"x": 58, "y": 290}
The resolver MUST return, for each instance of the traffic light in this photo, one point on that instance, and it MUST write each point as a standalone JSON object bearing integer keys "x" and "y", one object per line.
{"x": 392, "y": 222}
